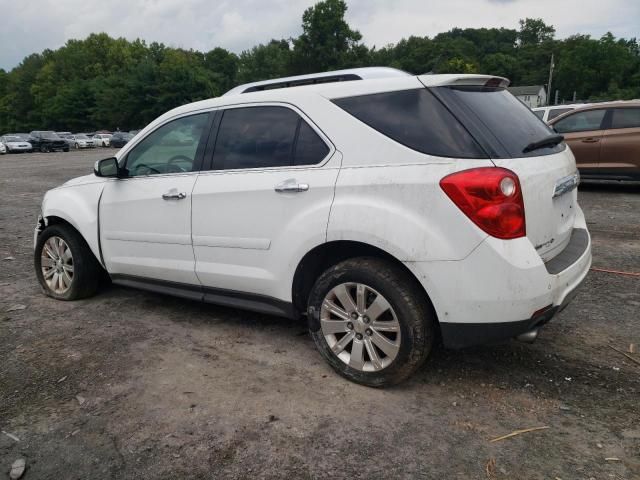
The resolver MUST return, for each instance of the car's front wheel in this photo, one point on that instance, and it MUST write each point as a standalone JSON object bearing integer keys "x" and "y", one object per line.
{"x": 65, "y": 266}
{"x": 43, "y": 149}
{"x": 77, "y": 146}
{"x": 373, "y": 323}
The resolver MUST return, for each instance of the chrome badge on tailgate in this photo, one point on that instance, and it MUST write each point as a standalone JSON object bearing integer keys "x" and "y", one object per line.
{"x": 566, "y": 184}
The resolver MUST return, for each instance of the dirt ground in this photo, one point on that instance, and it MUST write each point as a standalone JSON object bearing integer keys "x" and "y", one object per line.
{"x": 136, "y": 385}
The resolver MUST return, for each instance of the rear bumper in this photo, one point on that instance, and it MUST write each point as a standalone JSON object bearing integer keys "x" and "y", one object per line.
{"x": 503, "y": 289}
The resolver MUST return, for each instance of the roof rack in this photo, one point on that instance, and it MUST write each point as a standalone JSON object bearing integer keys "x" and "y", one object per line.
{"x": 314, "y": 78}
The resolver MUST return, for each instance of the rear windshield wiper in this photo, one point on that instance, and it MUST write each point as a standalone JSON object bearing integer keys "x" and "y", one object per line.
{"x": 548, "y": 141}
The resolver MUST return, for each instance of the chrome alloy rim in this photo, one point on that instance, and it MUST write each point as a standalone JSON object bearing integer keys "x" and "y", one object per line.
{"x": 57, "y": 265}
{"x": 360, "y": 327}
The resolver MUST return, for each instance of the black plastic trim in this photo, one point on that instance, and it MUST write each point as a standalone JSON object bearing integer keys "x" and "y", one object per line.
{"x": 577, "y": 245}
{"x": 217, "y": 296}
{"x": 462, "y": 335}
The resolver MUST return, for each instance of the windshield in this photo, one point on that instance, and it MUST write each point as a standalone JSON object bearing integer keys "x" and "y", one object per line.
{"x": 507, "y": 124}
{"x": 11, "y": 138}
{"x": 50, "y": 135}
{"x": 82, "y": 137}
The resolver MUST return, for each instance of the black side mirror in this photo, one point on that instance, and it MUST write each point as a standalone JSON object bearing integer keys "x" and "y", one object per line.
{"x": 107, "y": 167}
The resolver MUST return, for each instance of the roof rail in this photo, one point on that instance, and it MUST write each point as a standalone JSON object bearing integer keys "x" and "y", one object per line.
{"x": 313, "y": 78}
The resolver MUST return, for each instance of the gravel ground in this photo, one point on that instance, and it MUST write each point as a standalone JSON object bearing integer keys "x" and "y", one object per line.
{"x": 135, "y": 385}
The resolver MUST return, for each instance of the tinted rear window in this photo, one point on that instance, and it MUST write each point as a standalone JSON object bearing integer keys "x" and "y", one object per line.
{"x": 505, "y": 123}
{"x": 625, "y": 118}
{"x": 416, "y": 119}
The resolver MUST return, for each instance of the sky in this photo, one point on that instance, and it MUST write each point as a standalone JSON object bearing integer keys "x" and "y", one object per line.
{"x": 29, "y": 26}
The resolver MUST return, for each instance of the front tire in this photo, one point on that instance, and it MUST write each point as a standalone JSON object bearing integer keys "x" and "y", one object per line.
{"x": 43, "y": 149}
{"x": 65, "y": 265}
{"x": 376, "y": 326}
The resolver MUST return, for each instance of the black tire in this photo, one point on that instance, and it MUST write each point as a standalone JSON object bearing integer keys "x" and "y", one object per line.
{"x": 77, "y": 146}
{"x": 65, "y": 149}
{"x": 87, "y": 272}
{"x": 413, "y": 311}
{"x": 43, "y": 149}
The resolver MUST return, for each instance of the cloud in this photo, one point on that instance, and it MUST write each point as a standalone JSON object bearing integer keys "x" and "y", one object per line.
{"x": 31, "y": 26}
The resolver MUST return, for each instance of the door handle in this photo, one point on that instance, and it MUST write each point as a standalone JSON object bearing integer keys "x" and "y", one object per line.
{"x": 291, "y": 187}
{"x": 174, "y": 196}
{"x": 590, "y": 140}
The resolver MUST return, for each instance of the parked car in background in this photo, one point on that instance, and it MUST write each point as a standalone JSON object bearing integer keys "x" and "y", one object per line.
{"x": 15, "y": 144}
{"x": 80, "y": 140}
{"x": 546, "y": 114}
{"x": 47, "y": 141}
{"x": 102, "y": 139}
{"x": 66, "y": 136}
{"x": 391, "y": 210}
{"x": 605, "y": 139}
{"x": 120, "y": 139}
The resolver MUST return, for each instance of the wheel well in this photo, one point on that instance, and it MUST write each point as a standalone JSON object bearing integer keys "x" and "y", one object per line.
{"x": 328, "y": 254}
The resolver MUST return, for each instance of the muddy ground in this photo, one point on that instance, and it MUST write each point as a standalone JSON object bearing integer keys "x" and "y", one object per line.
{"x": 136, "y": 385}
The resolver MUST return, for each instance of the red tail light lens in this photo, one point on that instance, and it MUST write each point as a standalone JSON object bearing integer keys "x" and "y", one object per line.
{"x": 491, "y": 197}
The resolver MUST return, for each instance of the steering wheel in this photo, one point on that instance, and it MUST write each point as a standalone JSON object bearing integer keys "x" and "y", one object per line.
{"x": 142, "y": 166}
{"x": 177, "y": 158}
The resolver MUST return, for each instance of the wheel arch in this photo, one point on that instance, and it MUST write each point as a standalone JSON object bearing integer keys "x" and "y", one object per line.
{"x": 323, "y": 256}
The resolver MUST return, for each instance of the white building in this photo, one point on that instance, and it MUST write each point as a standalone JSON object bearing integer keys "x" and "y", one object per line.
{"x": 532, "y": 96}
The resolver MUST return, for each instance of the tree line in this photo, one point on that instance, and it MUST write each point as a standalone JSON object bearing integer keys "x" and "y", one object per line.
{"x": 104, "y": 82}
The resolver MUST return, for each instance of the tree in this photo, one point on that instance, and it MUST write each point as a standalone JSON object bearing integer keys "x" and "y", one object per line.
{"x": 533, "y": 31}
{"x": 327, "y": 41}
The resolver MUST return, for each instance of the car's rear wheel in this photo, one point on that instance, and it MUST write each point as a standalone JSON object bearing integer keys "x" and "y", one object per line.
{"x": 65, "y": 266}
{"x": 43, "y": 149}
{"x": 374, "y": 324}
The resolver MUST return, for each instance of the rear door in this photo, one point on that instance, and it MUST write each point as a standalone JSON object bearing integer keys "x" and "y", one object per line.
{"x": 583, "y": 131}
{"x": 620, "y": 151}
{"x": 268, "y": 192}
{"x": 505, "y": 128}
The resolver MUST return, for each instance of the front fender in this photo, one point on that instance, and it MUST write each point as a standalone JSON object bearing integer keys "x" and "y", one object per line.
{"x": 77, "y": 205}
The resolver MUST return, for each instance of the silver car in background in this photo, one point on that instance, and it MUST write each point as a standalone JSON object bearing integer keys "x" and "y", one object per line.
{"x": 16, "y": 144}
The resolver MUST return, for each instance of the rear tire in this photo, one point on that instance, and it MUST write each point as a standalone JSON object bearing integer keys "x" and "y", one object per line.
{"x": 404, "y": 325}
{"x": 80, "y": 275}
{"x": 43, "y": 149}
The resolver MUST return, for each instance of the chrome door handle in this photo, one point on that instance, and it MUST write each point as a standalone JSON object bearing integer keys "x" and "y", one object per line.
{"x": 291, "y": 187}
{"x": 174, "y": 196}
{"x": 590, "y": 140}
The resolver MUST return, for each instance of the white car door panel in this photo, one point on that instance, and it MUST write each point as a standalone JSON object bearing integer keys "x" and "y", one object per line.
{"x": 245, "y": 220}
{"x": 144, "y": 234}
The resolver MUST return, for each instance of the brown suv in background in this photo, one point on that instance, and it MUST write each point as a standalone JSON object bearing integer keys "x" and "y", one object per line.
{"x": 605, "y": 139}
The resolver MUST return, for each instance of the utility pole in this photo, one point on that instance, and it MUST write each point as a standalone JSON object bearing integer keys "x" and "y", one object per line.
{"x": 550, "y": 78}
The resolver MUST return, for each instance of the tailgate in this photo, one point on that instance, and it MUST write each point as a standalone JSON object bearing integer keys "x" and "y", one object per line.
{"x": 550, "y": 198}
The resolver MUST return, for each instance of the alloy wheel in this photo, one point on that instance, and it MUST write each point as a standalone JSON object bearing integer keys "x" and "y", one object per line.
{"x": 57, "y": 265}
{"x": 360, "y": 327}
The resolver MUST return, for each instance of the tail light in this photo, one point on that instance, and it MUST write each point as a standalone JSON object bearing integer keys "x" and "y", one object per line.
{"x": 491, "y": 197}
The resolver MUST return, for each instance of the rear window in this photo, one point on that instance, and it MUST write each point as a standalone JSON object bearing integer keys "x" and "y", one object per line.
{"x": 505, "y": 124}
{"x": 416, "y": 119}
{"x": 626, "y": 118}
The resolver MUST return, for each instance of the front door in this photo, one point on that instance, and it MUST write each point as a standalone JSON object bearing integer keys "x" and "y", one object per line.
{"x": 267, "y": 198}
{"x": 583, "y": 132}
{"x": 145, "y": 217}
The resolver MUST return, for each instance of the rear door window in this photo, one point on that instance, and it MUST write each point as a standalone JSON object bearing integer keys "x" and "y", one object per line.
{"x": 625, "y": 118}
{"x": 415, "y": 118}
{"x": 581, "y": 121}
{"x": 539, "y": 114}
{"x": 266, "y": 137}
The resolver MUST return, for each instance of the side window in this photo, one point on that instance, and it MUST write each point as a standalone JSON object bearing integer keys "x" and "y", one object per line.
{"x": 626, "y": 118}
{"x": 539, "y": 114}
{"x": 310, "y": 148}
{"x": 416, "y": 119}
{"x": 263, "y": 137}
{"x": 556, "y": 112}
{"x": 581, "y": 122}
{"x": 169, "y": 149}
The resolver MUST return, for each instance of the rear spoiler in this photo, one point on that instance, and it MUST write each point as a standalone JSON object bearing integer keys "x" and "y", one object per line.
{"x": 466, "y": 80}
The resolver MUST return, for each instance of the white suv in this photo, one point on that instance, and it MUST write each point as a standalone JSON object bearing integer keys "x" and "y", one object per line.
{"x": 391, "y": 210}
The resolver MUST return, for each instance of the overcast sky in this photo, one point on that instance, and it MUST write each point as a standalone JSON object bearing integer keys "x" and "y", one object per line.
{"x": 28, "y": 26}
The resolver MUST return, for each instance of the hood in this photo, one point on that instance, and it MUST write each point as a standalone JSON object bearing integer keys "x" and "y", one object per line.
{"x": 84, "y": 180}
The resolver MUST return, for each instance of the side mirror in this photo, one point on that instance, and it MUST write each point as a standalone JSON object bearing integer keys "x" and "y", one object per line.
{"x": 107, "y": 167}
